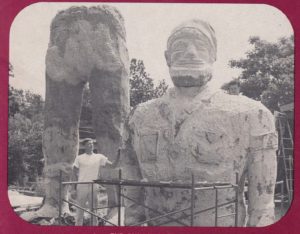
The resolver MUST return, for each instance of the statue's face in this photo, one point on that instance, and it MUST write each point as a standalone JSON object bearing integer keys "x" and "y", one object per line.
{"x": 189, "y": 60}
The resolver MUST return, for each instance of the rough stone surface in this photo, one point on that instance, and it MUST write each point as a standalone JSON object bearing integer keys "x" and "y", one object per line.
{"x": 86, "y": 45}
{"x": 214, "y": 136}
{"x": 83, "y": 39}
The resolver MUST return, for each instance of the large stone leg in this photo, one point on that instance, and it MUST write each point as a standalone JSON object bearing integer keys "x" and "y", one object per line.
{"x": 60, "y": 141}
{"x": 83, "y": 42}
{"x": 110, "y": 106}
{"x": 109, "y": 86}
{"x": 60, "y": 138}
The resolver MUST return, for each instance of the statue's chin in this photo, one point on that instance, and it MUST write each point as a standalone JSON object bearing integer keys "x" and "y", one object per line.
{"x": 183, "y": 77}
{"x": 190, "y": 80}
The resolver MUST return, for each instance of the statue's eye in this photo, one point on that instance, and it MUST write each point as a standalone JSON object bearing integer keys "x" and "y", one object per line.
{"x": 202, "y": 45}
{"x": 179, "y": 46}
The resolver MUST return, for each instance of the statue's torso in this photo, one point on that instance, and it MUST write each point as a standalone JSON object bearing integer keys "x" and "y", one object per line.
{"x": 203, "y": 137}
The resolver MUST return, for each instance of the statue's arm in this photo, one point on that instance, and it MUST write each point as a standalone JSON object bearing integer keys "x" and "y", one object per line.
{"x": 134, "y": 213}
{"x": 262, "y": 172}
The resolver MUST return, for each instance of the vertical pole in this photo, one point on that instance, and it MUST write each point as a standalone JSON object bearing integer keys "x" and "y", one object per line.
{"x": 92, "y": 204}
{"x": 216, "y": 208}
{"x": 192, "y": 200}
{"x": 281, "y": 198}
{"x": 236, "y": 199}
{"x": 60, "y": 197}
{"x": 291, "y": 177}
{"x": 119, "y": 198}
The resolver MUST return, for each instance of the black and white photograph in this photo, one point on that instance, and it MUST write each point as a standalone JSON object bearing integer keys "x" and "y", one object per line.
{"x": 151, "y": 114}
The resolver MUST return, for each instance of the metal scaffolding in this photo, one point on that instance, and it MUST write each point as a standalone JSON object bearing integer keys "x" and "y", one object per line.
{"x": 193, "y": 187}
{"x": 286, "y": 152}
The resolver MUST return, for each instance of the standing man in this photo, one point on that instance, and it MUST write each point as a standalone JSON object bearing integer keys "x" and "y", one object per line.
{"x": 193, "y": 129}
{"x": 86, "y": 168}
{"x": 232, "y": 87}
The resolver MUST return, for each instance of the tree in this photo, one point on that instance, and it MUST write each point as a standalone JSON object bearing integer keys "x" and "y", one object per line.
{"x": 142, "y": 87}
{"x": 268, "y": 71}
{"x": 25, "y": 157}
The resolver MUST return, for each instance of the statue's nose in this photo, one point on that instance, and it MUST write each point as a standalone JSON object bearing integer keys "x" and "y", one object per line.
{"x": 191, "y": 52}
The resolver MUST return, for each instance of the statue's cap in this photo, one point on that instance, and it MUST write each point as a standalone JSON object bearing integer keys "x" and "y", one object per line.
{"x": 195, "y": 26}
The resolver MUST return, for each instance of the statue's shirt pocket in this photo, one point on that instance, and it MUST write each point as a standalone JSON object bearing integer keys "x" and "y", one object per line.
{"x": 149, "y": 146}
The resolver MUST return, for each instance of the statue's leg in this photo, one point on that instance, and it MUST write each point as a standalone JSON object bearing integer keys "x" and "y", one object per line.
{"x": 109, "y": 91}
{"x": 60, "y": 140}
{"x": 82, "y": 42}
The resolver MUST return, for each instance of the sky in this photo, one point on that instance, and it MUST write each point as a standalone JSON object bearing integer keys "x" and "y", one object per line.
{"x": 148, "y": 26}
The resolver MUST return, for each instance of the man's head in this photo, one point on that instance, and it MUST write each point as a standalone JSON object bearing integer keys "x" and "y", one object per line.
{"x": 191, "y": 52}
{"x": 88, "y": 145}
{"x": 234, "y": 87}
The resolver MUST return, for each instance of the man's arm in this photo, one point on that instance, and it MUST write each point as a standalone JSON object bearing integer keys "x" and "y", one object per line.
{"x": 262, "y": 172}
{"x": 115, "y": 163}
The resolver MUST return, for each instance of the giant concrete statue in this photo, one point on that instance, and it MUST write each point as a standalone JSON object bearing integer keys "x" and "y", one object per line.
{"x": 86, "y": 45}
{"x": 193, "y": 129}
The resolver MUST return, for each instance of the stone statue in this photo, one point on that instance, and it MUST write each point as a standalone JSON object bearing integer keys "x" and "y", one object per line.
{"x": 193, "y": 129}
{"x": 86, "y": 45}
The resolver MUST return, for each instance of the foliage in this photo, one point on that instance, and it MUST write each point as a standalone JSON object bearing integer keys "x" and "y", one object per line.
{"x": 268, "y": 71}
{"x": 24, "y": 102}
{"x": 142, "y": 87}
{"x": 25, "y": 157}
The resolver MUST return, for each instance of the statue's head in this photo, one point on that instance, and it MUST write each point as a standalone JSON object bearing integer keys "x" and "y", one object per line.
{"x": 191, "y": 52}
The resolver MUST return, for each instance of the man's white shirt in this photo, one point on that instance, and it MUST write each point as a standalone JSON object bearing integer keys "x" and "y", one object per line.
{"x": 89, "y": 166}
